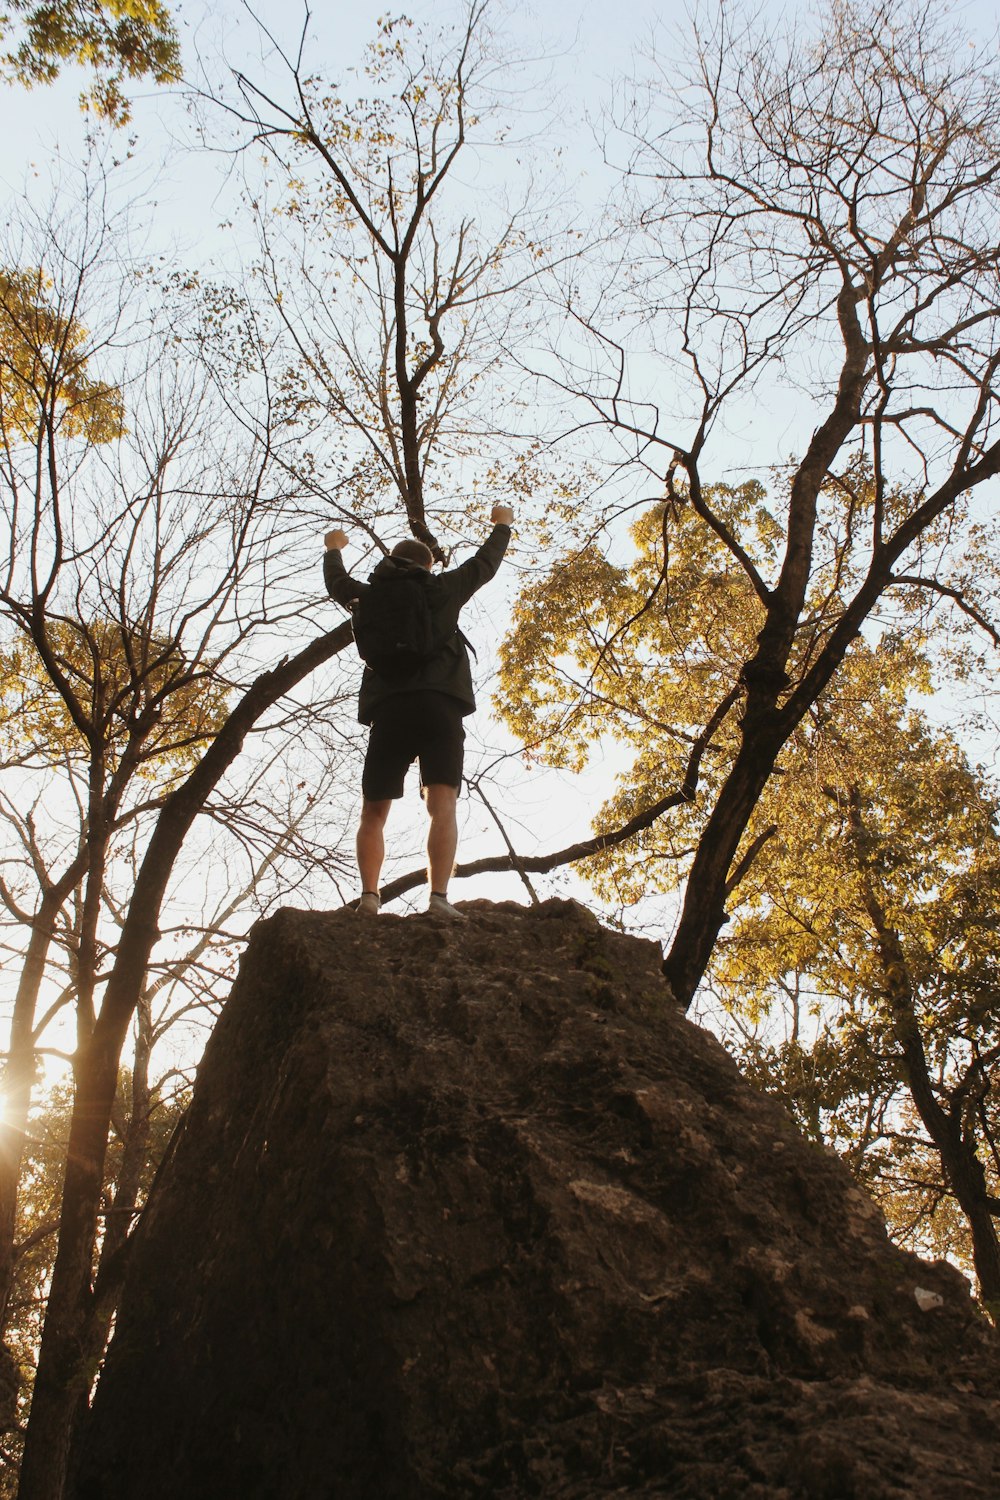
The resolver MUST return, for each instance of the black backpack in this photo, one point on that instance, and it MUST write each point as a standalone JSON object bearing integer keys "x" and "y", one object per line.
{"x": 393, "y": 629}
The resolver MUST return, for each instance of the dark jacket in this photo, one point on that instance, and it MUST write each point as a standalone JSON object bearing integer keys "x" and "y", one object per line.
{"x": 449, "y": 670}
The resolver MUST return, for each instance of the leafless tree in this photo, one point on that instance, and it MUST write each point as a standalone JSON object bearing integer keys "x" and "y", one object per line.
{"x": 398, "y": 287}
{"x": 150, "y": 579}
{"x": 156, "y": 590}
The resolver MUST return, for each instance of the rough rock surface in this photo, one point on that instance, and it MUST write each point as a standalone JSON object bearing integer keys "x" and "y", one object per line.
{"x": 470, "y": 1210}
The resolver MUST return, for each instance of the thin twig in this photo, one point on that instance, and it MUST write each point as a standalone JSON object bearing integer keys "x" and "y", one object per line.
{"x": 517, "y": 862}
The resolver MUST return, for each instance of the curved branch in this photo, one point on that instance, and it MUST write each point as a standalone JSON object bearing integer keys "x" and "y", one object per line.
{"x": 542, "y": 864}
{"x": 957, "y": 597}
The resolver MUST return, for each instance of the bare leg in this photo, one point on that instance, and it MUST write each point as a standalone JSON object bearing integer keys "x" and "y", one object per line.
{"x": 442, "y": 837}
{"x": 371, "y": 843}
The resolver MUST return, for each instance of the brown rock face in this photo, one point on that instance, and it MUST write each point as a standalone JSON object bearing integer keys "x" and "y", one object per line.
{"x": 470, "y": 1210}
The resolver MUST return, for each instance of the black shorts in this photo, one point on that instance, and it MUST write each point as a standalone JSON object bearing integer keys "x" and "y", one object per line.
{"x": 421, "y": 725}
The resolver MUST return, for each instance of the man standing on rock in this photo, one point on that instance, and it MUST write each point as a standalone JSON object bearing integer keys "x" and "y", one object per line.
{"x": 415, "y": 698}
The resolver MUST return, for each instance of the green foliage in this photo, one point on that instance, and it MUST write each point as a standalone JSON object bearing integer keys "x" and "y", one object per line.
{"x": 643, "y": 651}
{"x": 874, "y": 829}
{"x": 38, "y": 1218}
{"x": 899, "y": 833}
{"x": 43, "y": 367}
{"x": 117, "y": 39}
{"x": 118, "y": 681}
{"x": 648, "y": 651}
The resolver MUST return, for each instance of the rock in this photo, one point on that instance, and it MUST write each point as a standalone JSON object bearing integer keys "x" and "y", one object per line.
{"x": 471, "y": 1210}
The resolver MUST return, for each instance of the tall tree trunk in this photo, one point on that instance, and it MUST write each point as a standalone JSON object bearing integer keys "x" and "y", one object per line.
{"x": 18, "y": 1083}
{"x": 116, "y": 1241}
{"x": 19, "y": 1073}
{"x": 704, "y": 909}
{"x": 64, "y": 1373}
{"x": 957, "y": 1151}
{"x": 955, "y": 1147}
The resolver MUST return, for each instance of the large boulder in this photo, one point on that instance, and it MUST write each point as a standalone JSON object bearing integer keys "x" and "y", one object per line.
{"x": 470, "y": 1209}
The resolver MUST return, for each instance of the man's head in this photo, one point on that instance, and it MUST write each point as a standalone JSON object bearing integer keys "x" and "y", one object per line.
{"x": 413, "y": 551}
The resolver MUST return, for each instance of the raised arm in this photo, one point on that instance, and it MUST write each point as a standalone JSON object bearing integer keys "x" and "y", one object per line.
{"x": 480, "y": 568}
{"x": 339, "y": 583}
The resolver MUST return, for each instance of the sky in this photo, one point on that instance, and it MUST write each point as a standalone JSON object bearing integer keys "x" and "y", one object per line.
{"x": 580, "y": 47}
{"x": 573, "y": 53}
{"x": 190, "y": 193}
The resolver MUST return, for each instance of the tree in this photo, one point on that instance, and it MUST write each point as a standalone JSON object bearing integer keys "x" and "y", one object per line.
{"x": 38, "y": 1218}
{"x": 818, "y": 212}
{"x": 871, "y": 922}
{"x": 30, "y": 328}
{"x": 842, "y": 905}
{"x": 146, "y": 563}
{"x": 397, "y": 296}
{"x": 175, "y": 589}
{"x": 118, "y": 39}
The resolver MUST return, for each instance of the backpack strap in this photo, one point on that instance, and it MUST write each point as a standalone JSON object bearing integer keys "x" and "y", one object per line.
{"x": 466, "y": 642}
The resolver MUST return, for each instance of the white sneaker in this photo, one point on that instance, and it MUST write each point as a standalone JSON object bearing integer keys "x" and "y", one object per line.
{"x": 369, "y": 905}
{"x": 440, "y": 906}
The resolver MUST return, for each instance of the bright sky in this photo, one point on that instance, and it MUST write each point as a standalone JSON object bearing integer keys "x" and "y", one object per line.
{"x": 585, "y": 45}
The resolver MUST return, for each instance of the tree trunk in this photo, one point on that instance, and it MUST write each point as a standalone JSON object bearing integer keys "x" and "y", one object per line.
{"x": 968, "y": 1181}
{"x": 704, "y": 909}
{"x": 18, "y": 1082}
{"x": 957, "y": 1152}
{"x": 19, "y": 1074}
{"x": 962, "y": 1167}
{"x": 64, "y": 1373}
